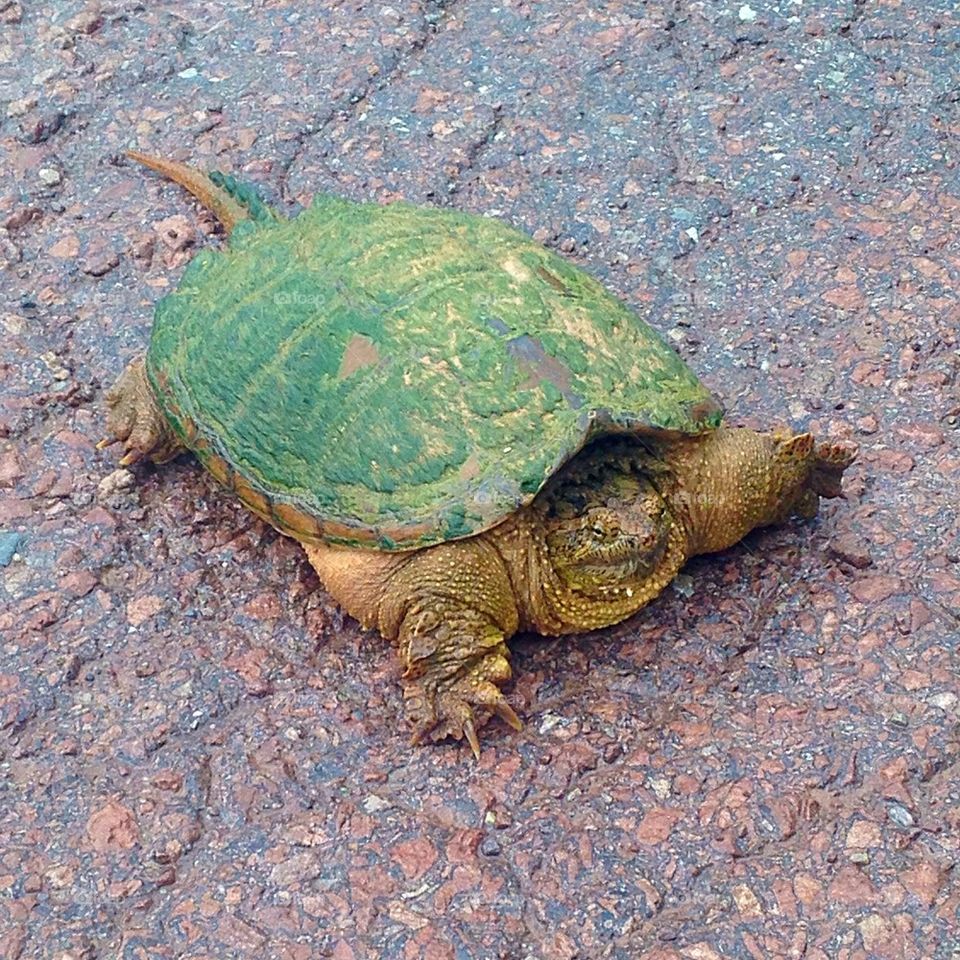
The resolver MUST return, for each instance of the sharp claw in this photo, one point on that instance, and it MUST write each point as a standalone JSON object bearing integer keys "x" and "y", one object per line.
{"x": 132, "y": 457}
{"x": 470, "y": 732}
{"x": 106, "y": 442}
{"x": 506, "y": 713}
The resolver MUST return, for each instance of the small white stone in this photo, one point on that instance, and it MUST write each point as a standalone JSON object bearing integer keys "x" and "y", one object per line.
{"x": 683, "y": 584}
{"x": 549, "y": 722}
{"x": 661, "y": 788}
{"x": 119, "y": 481}
{"x": 49, "y": 176}
{"x": 945, "y": 701}
{"x": 187, "y": 74}
{"x": 17, "y": 108}
{"x": 747, "y": 13}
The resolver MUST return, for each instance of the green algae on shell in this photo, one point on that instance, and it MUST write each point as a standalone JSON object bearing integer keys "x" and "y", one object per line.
{"x": 403, "y": 375}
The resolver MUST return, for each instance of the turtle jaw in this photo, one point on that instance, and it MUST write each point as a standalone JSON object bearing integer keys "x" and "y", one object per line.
{"x": 609, "y": 537}
{"x": 134, "y": 419}
{"x": 608, "y": 549}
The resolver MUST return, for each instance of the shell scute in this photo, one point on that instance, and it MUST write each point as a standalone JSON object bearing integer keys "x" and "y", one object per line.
{"x": 403, "y": 375}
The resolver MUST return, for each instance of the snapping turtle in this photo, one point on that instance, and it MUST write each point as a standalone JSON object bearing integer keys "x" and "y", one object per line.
{"x": 469, "y": 435}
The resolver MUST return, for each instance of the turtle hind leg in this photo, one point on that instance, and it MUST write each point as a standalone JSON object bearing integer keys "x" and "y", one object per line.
{"x": 134, "y": 419}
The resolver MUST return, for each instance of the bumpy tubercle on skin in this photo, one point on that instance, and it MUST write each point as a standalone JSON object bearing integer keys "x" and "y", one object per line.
{"x": 451, "y": 607}
{"x": 735, "y": 480}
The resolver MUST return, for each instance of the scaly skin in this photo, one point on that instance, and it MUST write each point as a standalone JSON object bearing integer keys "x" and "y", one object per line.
{"x": 226, "y": 209}
{"x": 600, "y": 541}
{"x": 645, "y": 507}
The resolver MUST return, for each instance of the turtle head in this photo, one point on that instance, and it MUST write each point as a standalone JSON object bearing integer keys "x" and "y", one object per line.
{"x": 606, "y": 529}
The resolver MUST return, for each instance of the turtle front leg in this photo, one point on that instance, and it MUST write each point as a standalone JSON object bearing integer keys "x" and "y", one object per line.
{"x": 734, "y": 480}
{"x": 134, "y": 419}
{"x": 455, "y": 661}
{"x": 451, "y": 608}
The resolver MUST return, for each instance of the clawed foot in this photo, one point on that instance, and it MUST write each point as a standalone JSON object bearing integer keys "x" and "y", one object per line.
{"x": 134, "y": 420}
{"x": 439, "y": 707}
{"x": 831, "y": 458}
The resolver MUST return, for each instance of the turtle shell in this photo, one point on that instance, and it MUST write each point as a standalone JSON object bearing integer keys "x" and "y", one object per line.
{"x": 395, "y": 376}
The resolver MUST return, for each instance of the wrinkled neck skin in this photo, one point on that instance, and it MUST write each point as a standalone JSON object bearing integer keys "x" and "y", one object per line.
{"x": 615, "y": 526}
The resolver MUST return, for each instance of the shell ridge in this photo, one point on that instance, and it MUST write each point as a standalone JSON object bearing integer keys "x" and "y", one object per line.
{"x": 486, "y": 354}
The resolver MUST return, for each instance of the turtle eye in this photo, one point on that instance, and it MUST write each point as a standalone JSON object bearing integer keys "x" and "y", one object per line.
{"x": 598, "y": 531}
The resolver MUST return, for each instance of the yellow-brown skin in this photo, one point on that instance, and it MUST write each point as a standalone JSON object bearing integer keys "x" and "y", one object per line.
{"x": 450, "y": 608}
{"x": 599, "y": 542}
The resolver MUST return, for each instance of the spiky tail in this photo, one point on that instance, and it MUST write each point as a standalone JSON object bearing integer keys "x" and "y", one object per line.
{"x": 230, "y": 201}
